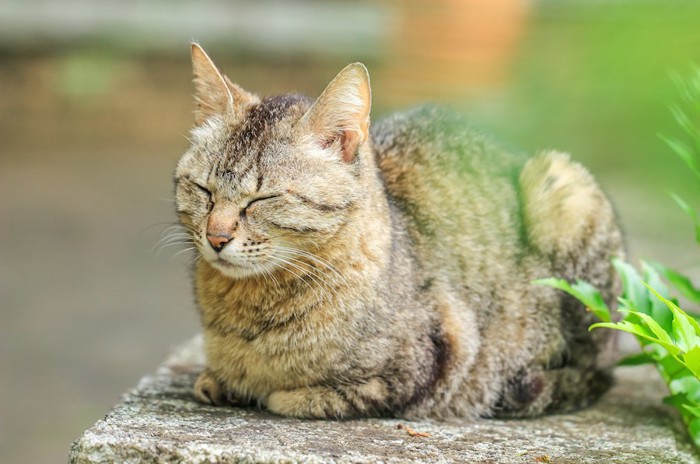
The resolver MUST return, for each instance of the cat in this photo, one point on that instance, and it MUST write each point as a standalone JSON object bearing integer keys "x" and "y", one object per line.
{"x": 348, "y": 272}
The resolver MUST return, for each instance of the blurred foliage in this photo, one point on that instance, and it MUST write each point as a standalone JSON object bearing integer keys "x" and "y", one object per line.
{"x": 86, "y": 74}
{"x": 592, "y": 79}
{"x": 668, "y": 336}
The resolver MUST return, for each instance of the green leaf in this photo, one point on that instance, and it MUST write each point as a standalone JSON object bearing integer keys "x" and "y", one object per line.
{"x": 686, "y": 330}
{"x": 683, "y": 330}
{"x": 689, "y": 386}
{"x": 680, "y": 282}
{"x": 582, "y": 291}
{"x": 683, "y": 120}
{"x": 634, "y": 291}
{"x": 641, "y": 331}
{"x": 692, "y": 360}
{"x": 690, "y": 212}
{"x": 671, "y": 368}
{"x": 684, "y": 152}
{"x": 677, "y": 400}
{"x": 683, "y": 88}
{"x": 694, "y": 410}
{"x": 694, "y": 431}
{"x": 663, "y": 337}
{"x": 659, "y": 310}
{"x": 637, "y": 359}
{"x": 624, "y": 304}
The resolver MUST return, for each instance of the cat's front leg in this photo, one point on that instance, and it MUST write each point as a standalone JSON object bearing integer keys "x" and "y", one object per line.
{"x": 208, "y": 390}
{"x": 321, "y": 402}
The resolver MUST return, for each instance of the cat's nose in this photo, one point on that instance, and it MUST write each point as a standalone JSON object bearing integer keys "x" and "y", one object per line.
{"x": 218, "y": 241}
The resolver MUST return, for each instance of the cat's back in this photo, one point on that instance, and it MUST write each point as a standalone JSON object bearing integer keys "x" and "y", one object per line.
{"x": 431, "y": 140}
{"x": 457, "y": 188}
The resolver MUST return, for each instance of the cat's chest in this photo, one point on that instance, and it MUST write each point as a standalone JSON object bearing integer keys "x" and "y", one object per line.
{"x": 281, "y": 358}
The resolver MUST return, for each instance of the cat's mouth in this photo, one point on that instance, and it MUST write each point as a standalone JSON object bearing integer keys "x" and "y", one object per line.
{"x": 227, "y": 264}
{"x": 235, "y": 270}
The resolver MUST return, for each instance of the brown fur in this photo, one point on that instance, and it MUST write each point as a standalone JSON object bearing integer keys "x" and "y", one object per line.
{"x": 346, "y": 274}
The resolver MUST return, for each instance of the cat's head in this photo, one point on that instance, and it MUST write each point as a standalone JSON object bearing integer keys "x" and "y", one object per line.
{"x": 266, "y": 181}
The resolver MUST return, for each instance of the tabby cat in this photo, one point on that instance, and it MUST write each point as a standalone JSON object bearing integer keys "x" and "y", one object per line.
{"x": 345, "y": 271}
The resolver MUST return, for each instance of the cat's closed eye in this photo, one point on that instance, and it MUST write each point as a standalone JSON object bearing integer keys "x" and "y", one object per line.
{"x": 203, "y": 189}
{"x": 244, "y": 210}
{"x": 191, "y": 190}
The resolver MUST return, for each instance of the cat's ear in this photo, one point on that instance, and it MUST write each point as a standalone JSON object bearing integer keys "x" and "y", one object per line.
{"x": 214, "y": 93}
{"x": 340, "y": 116}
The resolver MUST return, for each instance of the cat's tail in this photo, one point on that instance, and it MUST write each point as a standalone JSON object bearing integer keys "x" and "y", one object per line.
{"x": 565, "y": 210}
{"x": 570, "y": 221}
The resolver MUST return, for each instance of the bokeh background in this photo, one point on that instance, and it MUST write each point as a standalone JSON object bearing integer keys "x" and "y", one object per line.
{"x": 95, "y": 104}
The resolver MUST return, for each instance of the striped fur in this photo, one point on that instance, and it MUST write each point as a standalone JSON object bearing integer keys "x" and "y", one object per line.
{"x": 387, "y": 272}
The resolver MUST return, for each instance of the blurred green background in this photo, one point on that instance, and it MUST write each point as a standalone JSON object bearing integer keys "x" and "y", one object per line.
{"x": 95, "y": 103}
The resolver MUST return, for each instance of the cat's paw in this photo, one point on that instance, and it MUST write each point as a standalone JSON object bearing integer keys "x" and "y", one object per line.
{"x": 208, "y": 390}
{"x": 367, "y": 398}
{"x": 307, "y": 403}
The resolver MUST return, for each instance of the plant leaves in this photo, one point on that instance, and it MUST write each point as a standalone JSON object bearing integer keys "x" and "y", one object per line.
{"x": 677, "y": 400}
{"x": 680, "y": 282}
{"x": 582, "y": 291}
{"x": 686, "y": 330}
{"x": 637, "y": 359}
{"x": 692, "y": 360}
{"x": 688, "y": 385}
{"x": 684, "y": 152}
{"x": 641, "y": 331}
{"x": 634, "y": 290}
{"x": 694, "y": 410}
{"x": 663, "y": 337}
{"x": 694, "y": 431}
{"x": 671, "y": 368}
{"x": 660, "y": 312}
{"x": 683, "y": 120}
{"x": 690, "y": 212}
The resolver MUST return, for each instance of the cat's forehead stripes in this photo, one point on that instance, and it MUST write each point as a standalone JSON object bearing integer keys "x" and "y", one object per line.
{"x": 247, "y": 142}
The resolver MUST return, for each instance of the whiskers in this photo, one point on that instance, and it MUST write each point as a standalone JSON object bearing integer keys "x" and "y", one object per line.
{"x": 176, "y": 238}
{"x": 267, "y": 274}
{"x": 324, "y": 275}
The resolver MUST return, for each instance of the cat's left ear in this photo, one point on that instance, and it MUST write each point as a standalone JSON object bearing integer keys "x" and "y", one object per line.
{"x": 214, "y": 94}
{"x": 340, "y": 116}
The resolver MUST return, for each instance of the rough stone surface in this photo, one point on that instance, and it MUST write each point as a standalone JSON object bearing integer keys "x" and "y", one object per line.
{"x": 159, "y": 421}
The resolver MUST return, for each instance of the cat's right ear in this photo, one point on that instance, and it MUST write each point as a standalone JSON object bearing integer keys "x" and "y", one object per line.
{"x": 339, "y": 118}
{"x": 214, "y": 93}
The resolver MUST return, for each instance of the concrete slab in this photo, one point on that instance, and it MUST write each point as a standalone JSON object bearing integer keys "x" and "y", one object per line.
{"x": 159, "y": 421}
